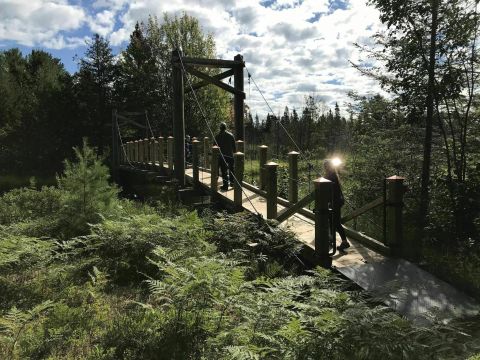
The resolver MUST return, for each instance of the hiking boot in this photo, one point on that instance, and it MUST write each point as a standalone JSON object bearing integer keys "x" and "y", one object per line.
{"x": 343, "y": 246}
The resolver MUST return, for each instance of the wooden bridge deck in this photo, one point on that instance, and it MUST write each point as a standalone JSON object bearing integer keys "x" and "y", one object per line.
{"x": 303, "y": 227}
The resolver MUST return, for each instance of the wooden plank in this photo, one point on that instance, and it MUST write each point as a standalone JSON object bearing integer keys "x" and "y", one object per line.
{"x": 371, "y": 205}
{"x": 284, "y": 215}
{"x": 203, "y": 83}
{"x": 214, "y": 81}
{"x": 217, "y": 63}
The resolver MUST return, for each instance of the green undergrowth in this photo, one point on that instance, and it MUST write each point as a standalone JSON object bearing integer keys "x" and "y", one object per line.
{"x": 126, "y": 280}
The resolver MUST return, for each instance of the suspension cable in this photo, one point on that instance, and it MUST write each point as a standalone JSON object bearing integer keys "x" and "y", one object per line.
{"x": 121, "y": 143}
{"x": 278, "y": 120}
{"x": 148, "y": 123}
{"x": 213, "y": 135}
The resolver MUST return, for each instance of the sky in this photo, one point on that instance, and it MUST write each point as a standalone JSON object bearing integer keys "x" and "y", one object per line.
{"x": 292, "y": 48}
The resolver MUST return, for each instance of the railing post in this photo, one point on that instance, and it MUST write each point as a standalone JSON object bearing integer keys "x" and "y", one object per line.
{"x": 145, "y": 152}
{"x": 323, "y": 199}
{"x": 271, "y": 184}
{"x": 170, "y": 146}
{"x": 161, "y": 152}
{"x": 137, "y": 152}
{"x": 293, "y": 176}
{"x": 206, "y": 152}
{"x": 261, "y": 168}
{"x": 140, "y": 152}
{"x": 153, "y": 152}
{"x": 240, "y": 146}
{"x": 195, "y": 160}
{"x": 394, "y": 207}
{"x": 239, "y": 160}
{"x": 214, "y": 171}
{"x": 129, "y": 152}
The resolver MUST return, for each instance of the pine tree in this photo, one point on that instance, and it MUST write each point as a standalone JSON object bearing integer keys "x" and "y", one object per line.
{"x": 94, "y": 87}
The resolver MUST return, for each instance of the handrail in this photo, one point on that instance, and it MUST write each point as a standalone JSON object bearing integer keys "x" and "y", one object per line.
{"x": 371, "y": 205}
{"x": 285, "y": 214}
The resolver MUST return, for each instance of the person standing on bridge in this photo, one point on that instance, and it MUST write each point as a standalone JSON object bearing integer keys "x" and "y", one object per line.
{"x": 226, "y": 142}
{"x": 338, "y": 201}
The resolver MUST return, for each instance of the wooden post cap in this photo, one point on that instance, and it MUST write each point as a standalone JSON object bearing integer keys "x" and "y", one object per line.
{"x": 170, "y": 137}
{"x": 206, "y": 138}
{"x": 293, "y": 153}
{"x": 195, "y": 141}
{"x": 215, "y": 147}
{"x": 395, "y": 178}
{"x": 271, "y": 164}
{"x": 239, "y": 153}
{"x": 263, "y": 146}
{"x": 321, "y": 180}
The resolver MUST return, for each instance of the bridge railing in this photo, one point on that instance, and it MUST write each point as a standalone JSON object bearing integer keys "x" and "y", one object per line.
{"x": 152, "y": 153}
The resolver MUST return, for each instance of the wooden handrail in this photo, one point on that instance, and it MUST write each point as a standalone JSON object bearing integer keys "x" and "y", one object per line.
{"x": 285, "y": 214}
{"x": 371, "y": 205}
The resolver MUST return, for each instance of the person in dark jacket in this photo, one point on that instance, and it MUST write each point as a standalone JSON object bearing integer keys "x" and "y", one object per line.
{"x": 226, "y": 141}
{"x": 337, "y": 202}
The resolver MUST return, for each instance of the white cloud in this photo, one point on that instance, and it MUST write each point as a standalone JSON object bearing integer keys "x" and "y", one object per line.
{"x": 293, "y": 48}
{"x": 102, "y": 23}
{"x": 34, "y": 22}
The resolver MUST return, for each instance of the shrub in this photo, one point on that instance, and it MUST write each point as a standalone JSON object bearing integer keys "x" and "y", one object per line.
{"x": 87, "y": 196}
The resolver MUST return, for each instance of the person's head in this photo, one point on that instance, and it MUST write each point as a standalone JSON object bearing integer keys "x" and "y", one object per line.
{"x": 328, "y": 165}
{"x": 223, "y": 126}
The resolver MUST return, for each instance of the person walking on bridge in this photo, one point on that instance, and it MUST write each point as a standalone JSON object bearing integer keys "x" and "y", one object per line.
{"x": 226, "y": 142}
{"x": 338, "y": 201}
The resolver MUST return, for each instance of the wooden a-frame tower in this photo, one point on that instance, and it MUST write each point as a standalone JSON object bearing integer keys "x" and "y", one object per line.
{"x": 179, "y": 63}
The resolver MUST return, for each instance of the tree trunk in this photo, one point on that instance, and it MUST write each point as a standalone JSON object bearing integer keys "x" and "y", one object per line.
{"x": 427, "y": 145}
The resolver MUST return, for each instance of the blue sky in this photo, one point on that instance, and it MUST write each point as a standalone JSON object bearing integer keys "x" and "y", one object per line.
{"x": 293, "y": 48}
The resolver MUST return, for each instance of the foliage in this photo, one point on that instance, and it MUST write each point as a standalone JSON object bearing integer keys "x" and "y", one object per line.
{"x": 37, "y": 128}
{"x": 271, "y": 251}
{"x": 144, "y": 82}
{"x": 151, "y": 284}
{"x": 87, "y": 194}
{"x": 93, "y": 88}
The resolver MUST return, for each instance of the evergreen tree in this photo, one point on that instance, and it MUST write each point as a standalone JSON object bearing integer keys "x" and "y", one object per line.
{"x": 94, "y": 90}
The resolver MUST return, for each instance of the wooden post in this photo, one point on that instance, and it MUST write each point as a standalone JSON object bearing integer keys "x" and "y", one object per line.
{"x": 214, "y": 171}
{"x": 137, "y": 145}
{"x": 178, "y": 117}
{"x": 272, "y": 193}
{"x": 140, "y": 152}
{"x": 238, "y": 99}
{"x": 239, "y": 159}
{"x": 394, "y": 205}
{"x": 129, "y": 152}
{"x": 240, "y": 146}
{"x": 261, "y": 162}
{"x": 293, "y": 176}
{"x": 323, "y": 199}
{"x": 145, "y": 152}
{"x": 154, "y": 152}
{"x": 206, "y": 152}
{"x": 161, "y": 152}
{"x": 195, "y": 160}
{"x": 170, "y": 146}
